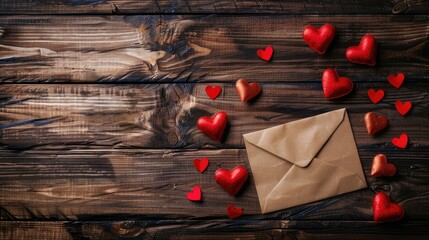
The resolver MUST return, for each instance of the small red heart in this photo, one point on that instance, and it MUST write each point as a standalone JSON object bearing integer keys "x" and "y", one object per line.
{"x": 195, "y": 195}
{"x": 213, "y": 92}
{"x": 234, "y": 212}
{"x": 384, "y": 210}
{"x": 365, "y": 52}
{"x": 265, "y": 54}
{"x": 319, "y": 39}
{"x": 213, "y": 126}
{"x": 231, "y": 181}
{"x": 397, "y": 80}
{"x": 375, "y": 96}
{"x": 381, "y": 168}
{"x": 335, "y": 86}
{"x": 247, "y": 91}
{"x": 401, "y": 141}
{"x": 375, "y": 123}
{"x": 201, "y": 165}
{"x": 403, "y": 108}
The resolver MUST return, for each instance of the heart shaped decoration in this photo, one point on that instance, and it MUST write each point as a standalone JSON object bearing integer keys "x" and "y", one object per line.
{"x": 247, "y": 91}
{"x": 213, "y": 126}
{"x": 381, "y": 168}
{"x": 265, "y": 54}
{"x": 319, "y": 39}
{"x": 234, "y": 212}
{"x": 213, "y": 92}
{"x": 375, "y": 123}
{"x": 231, "y": 181}
{"x": 375, "y": 96}
{"x": 335, "y": 86}
{"x": 403, "y": 108}
{"x": 201, "y": 165}
{"x": 195, "y": 195}
{"x": 384, "y": 210}
{"x": 397, "y": 80}
{"x": 365, "y": 52}
{"x": 401, "y": 141}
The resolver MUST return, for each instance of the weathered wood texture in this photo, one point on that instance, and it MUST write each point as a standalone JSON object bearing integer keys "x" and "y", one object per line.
{"x": 202, "y": 48}
{"x": 211, "y": 6}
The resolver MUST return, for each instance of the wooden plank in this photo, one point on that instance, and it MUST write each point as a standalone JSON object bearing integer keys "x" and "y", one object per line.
{"x": 152, "y": 48}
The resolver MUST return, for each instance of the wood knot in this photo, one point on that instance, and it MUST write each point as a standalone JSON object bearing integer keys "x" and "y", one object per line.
{"x": 127, "y": 229}
{"x": 400, "y": 7}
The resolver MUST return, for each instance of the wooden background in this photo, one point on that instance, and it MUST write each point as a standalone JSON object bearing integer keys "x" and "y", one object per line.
{"x": 99, "y": 101}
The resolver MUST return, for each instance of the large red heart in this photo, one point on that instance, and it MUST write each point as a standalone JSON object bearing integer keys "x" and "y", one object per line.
{"x": 375, "y": 96}
{"x": 365, "y": 52}
{"x": 247, "y": 91}
{"x": 375, "y": 123}
{"x": 234, "y": 212}
{"x": 384, "y": 210}
{"x": 403, "y": 108}
{"x": 213, "y": 126}
{"x": 213, "y": 92}
{"x": 195, "y": 195}
{"x": 201, "y": 165}
{"x": 265, "y": 54}
{"x": 335, "y": 86}
{"x": 397, "y": 80}
{"x": 319, "y": 39}
{"x": 381, "y": 168}
{"x": 231, "y": 181}
{"x": 401, "y": 141}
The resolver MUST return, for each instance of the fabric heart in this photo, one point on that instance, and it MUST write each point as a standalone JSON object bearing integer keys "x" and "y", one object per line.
{"x": 401, "y": 141}
{"x": 365, "y": 52}
{"x": 403, "y": 108}
{"x": 381, "y": 168}
{"x": 234, "y": 212}
{"x": 375, "y": 123}
{"x": 335, "y": 86}
{"x": 195, "y": 195}
{"x": 213, "y": 92}
{"x": 375, "y": 96}
{"x": 231, "y": 181}
{"x": 213, "y": 126}
{"x": 201, "y": 165}
{"x": 265, "y": 54}
{"x": 397, "y": 80}
{"x": 247, "y": 91}
{"x": 384, "y": 210}
{"x": 319, "y": 39}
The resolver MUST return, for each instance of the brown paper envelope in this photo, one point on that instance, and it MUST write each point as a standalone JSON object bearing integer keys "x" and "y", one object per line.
{"x": 304, "y": 161}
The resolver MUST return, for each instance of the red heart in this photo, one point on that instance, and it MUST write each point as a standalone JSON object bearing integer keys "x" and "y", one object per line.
{"x": 265, "y": 54}
{"x": 247, "y": 91}
{"x": 335, "y": 86}
{"x": 381, "y": 168}
{"x": 213, "y": 126}
{"x": 234, "y": 212}
{"x": 401, "y": 142}
{"x": 365, "y": 52}
{"x": 231, "y": 181}
{"x": 403, "y": 108}
{"x": 201, "y": 165}
{"x": 195, "y": 195}
{"x": 319, "y": 39}
{"x": 213, "y": 92}
{"x": 384, "y": 210}
{"x": 397, "y": 80}
{"x": 375, "y": 96}
{"x": 375, "y": 123}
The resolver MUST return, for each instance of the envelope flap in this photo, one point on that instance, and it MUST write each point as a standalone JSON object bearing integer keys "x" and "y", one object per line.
{"x": 299, "y": 141}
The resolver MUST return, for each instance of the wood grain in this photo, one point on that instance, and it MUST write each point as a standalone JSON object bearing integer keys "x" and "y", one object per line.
{"x": 165, "y": 48}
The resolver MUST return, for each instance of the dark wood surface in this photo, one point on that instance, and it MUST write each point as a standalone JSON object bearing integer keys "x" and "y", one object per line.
{"x": 99, "y": 102}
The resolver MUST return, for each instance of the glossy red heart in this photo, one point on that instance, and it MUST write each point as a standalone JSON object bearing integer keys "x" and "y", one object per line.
{"x": 213, "y": 126}
{"x": 231, "y": 181}
{"x": 397, "y": 80}
{"x": 403, "y": 108}
{"x": 381, "y": 168}
{"x": 234, "y": 212}
{"x": 201, "y": 165}
{"x": 319, "y": 39}
{"x": 375, "y": 123}
{"x": 335, "y": 86}
{"x": 384, "y": 210}
{"x": 375, "y": 96}
{"x": 401, "y": 141}
{"x": 365, "y": 52}
{"x": 247, "y": 91}
{"x": 195, "y": 195}
{"x": 265, "y": 54}
{"x": 213, "y": 92}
